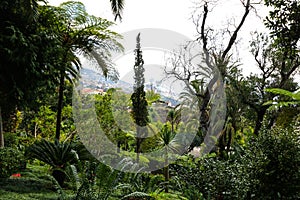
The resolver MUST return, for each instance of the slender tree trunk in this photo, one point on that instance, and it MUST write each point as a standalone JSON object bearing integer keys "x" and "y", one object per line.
{"x": 119, "y": 146}
{"x": 1, "y": 131}
{"x": 259, "y": 120}
{"x": 35, "y": 129}
{"x": 138, "y": 143}
{"x": 167, "y": 175}
{"x": 59, "y": 105}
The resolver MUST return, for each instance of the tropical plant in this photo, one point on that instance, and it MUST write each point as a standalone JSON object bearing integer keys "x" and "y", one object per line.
{"x": 152, "y": 96}
{"x": 58, "y": 155}
{"x": 140, "y": 185}
{"x": 98, "y": 181}
{"x": 77, "y": 32}
{"x": 168, "y": 141}
{"x": 117, "y": 8}
{"x": 294, "y": 96}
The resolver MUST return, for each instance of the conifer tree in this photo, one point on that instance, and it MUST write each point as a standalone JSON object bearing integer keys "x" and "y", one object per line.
{"x": 139, "y": 103}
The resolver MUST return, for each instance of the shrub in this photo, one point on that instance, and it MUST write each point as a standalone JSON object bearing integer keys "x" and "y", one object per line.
{"x": 11, "y": 161}
{"x": 266, "y": 168}
{"x": 212, "y": 177}
{"x": 11, "y": 140}
{"x": 277, "y": 160}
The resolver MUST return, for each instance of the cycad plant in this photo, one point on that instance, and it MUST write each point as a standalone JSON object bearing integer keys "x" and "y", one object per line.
{"x": 57, "y": 155}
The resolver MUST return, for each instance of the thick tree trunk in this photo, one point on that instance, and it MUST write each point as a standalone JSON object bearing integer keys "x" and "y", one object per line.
{"x": 59, "y": 105}
{"x": 1, "y": 131}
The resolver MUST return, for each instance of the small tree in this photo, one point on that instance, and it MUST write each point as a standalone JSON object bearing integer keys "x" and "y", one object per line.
{"x": 139, "y": 103}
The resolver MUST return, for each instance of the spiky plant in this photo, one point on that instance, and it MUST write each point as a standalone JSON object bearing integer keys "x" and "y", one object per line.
{"x": 57, "y": 155}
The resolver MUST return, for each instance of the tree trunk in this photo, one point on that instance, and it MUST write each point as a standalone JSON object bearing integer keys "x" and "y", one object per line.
{"x": 138, "y": 143}
{"x": 59, "y": 105}
{"x": 1, "y": 131}
{"x": 259, "y": 120}
{"x": 167, "y": 175}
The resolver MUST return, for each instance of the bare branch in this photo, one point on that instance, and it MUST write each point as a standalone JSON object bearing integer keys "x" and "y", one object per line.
{"x": 203, "y": 36}
{"x": 234, "y": 35}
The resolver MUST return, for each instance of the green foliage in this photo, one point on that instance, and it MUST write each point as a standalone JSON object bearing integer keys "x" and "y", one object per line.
{"x": 283, "y": 21}
{"x": 112, "y": 121}
{"x": 213, "y": 178}
{"x": 267, "y": 167}
{"x": 98, "y": 181}
{"x": 57, "y": 155}
{"x": 276, "y": 155}
{"x": 168, "y": 196}
{"x": 152, "y": 97}
{"x": 11, "y": 161}
{"x": 142, "y": 182}
{"x": 11, "y": 140}
{"x": 27, "y": 189}
{"x": 139, "y": 103}
{"x": 137, "y": 195}
{"x": 294, "y": 96}
{"x": 34, "y": 183}
{"x": 44, "y": 122}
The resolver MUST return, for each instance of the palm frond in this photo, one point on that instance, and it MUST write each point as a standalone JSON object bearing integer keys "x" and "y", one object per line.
{"x": 139, "y": 195}
{"x": 117, "y": 7}
{"x": 54, "y": 154}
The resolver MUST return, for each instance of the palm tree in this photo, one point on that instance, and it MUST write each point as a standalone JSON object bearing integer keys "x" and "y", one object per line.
{"x": 174, "y": 117}
{"x": 152, "y": 97}
{"x": 167, "y": 138}
{"x": 169, "y": 143}
{"x": 79, "y": 33}
{"x": 117, "y": 7}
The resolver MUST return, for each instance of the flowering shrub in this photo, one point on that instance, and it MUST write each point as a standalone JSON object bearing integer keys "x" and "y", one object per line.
{"x": 11, "y": 161}
{"x": 17, "y": 175}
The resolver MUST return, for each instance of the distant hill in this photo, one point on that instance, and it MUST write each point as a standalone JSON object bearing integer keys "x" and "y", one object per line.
{"x": 93, "y": 79}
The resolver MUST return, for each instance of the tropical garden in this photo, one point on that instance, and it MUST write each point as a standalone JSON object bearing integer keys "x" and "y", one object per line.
{"x": 255, "y": 153}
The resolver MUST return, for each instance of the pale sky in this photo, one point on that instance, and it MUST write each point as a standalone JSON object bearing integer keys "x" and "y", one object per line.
{"x": 175, "y": 15}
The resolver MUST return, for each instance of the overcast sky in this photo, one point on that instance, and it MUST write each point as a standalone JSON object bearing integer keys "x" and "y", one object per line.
{"x": 175, "y": 15}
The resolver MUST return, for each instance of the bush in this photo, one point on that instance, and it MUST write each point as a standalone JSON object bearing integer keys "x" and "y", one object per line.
{"x": 277, "y": 161}
{"x": 266, "y": 168}
{"x": 11, "y": 140}
{"x": 11, "y": 161}
{"x": 213, "y": 178}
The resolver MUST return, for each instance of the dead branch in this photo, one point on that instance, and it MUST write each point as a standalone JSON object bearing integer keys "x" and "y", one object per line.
{"x": 234, "y": 35}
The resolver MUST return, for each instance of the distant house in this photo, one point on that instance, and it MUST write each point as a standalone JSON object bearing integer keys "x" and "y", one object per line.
{"x": 91, "y": 91}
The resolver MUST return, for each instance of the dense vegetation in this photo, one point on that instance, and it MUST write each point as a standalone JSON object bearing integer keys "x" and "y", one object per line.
{"x": 256, "y": 154}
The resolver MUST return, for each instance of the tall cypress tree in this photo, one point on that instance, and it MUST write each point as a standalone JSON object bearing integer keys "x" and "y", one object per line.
{"x": 139, "y": 103}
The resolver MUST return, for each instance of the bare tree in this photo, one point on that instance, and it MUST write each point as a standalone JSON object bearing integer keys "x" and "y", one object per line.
{"x": 214, "y": 64}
